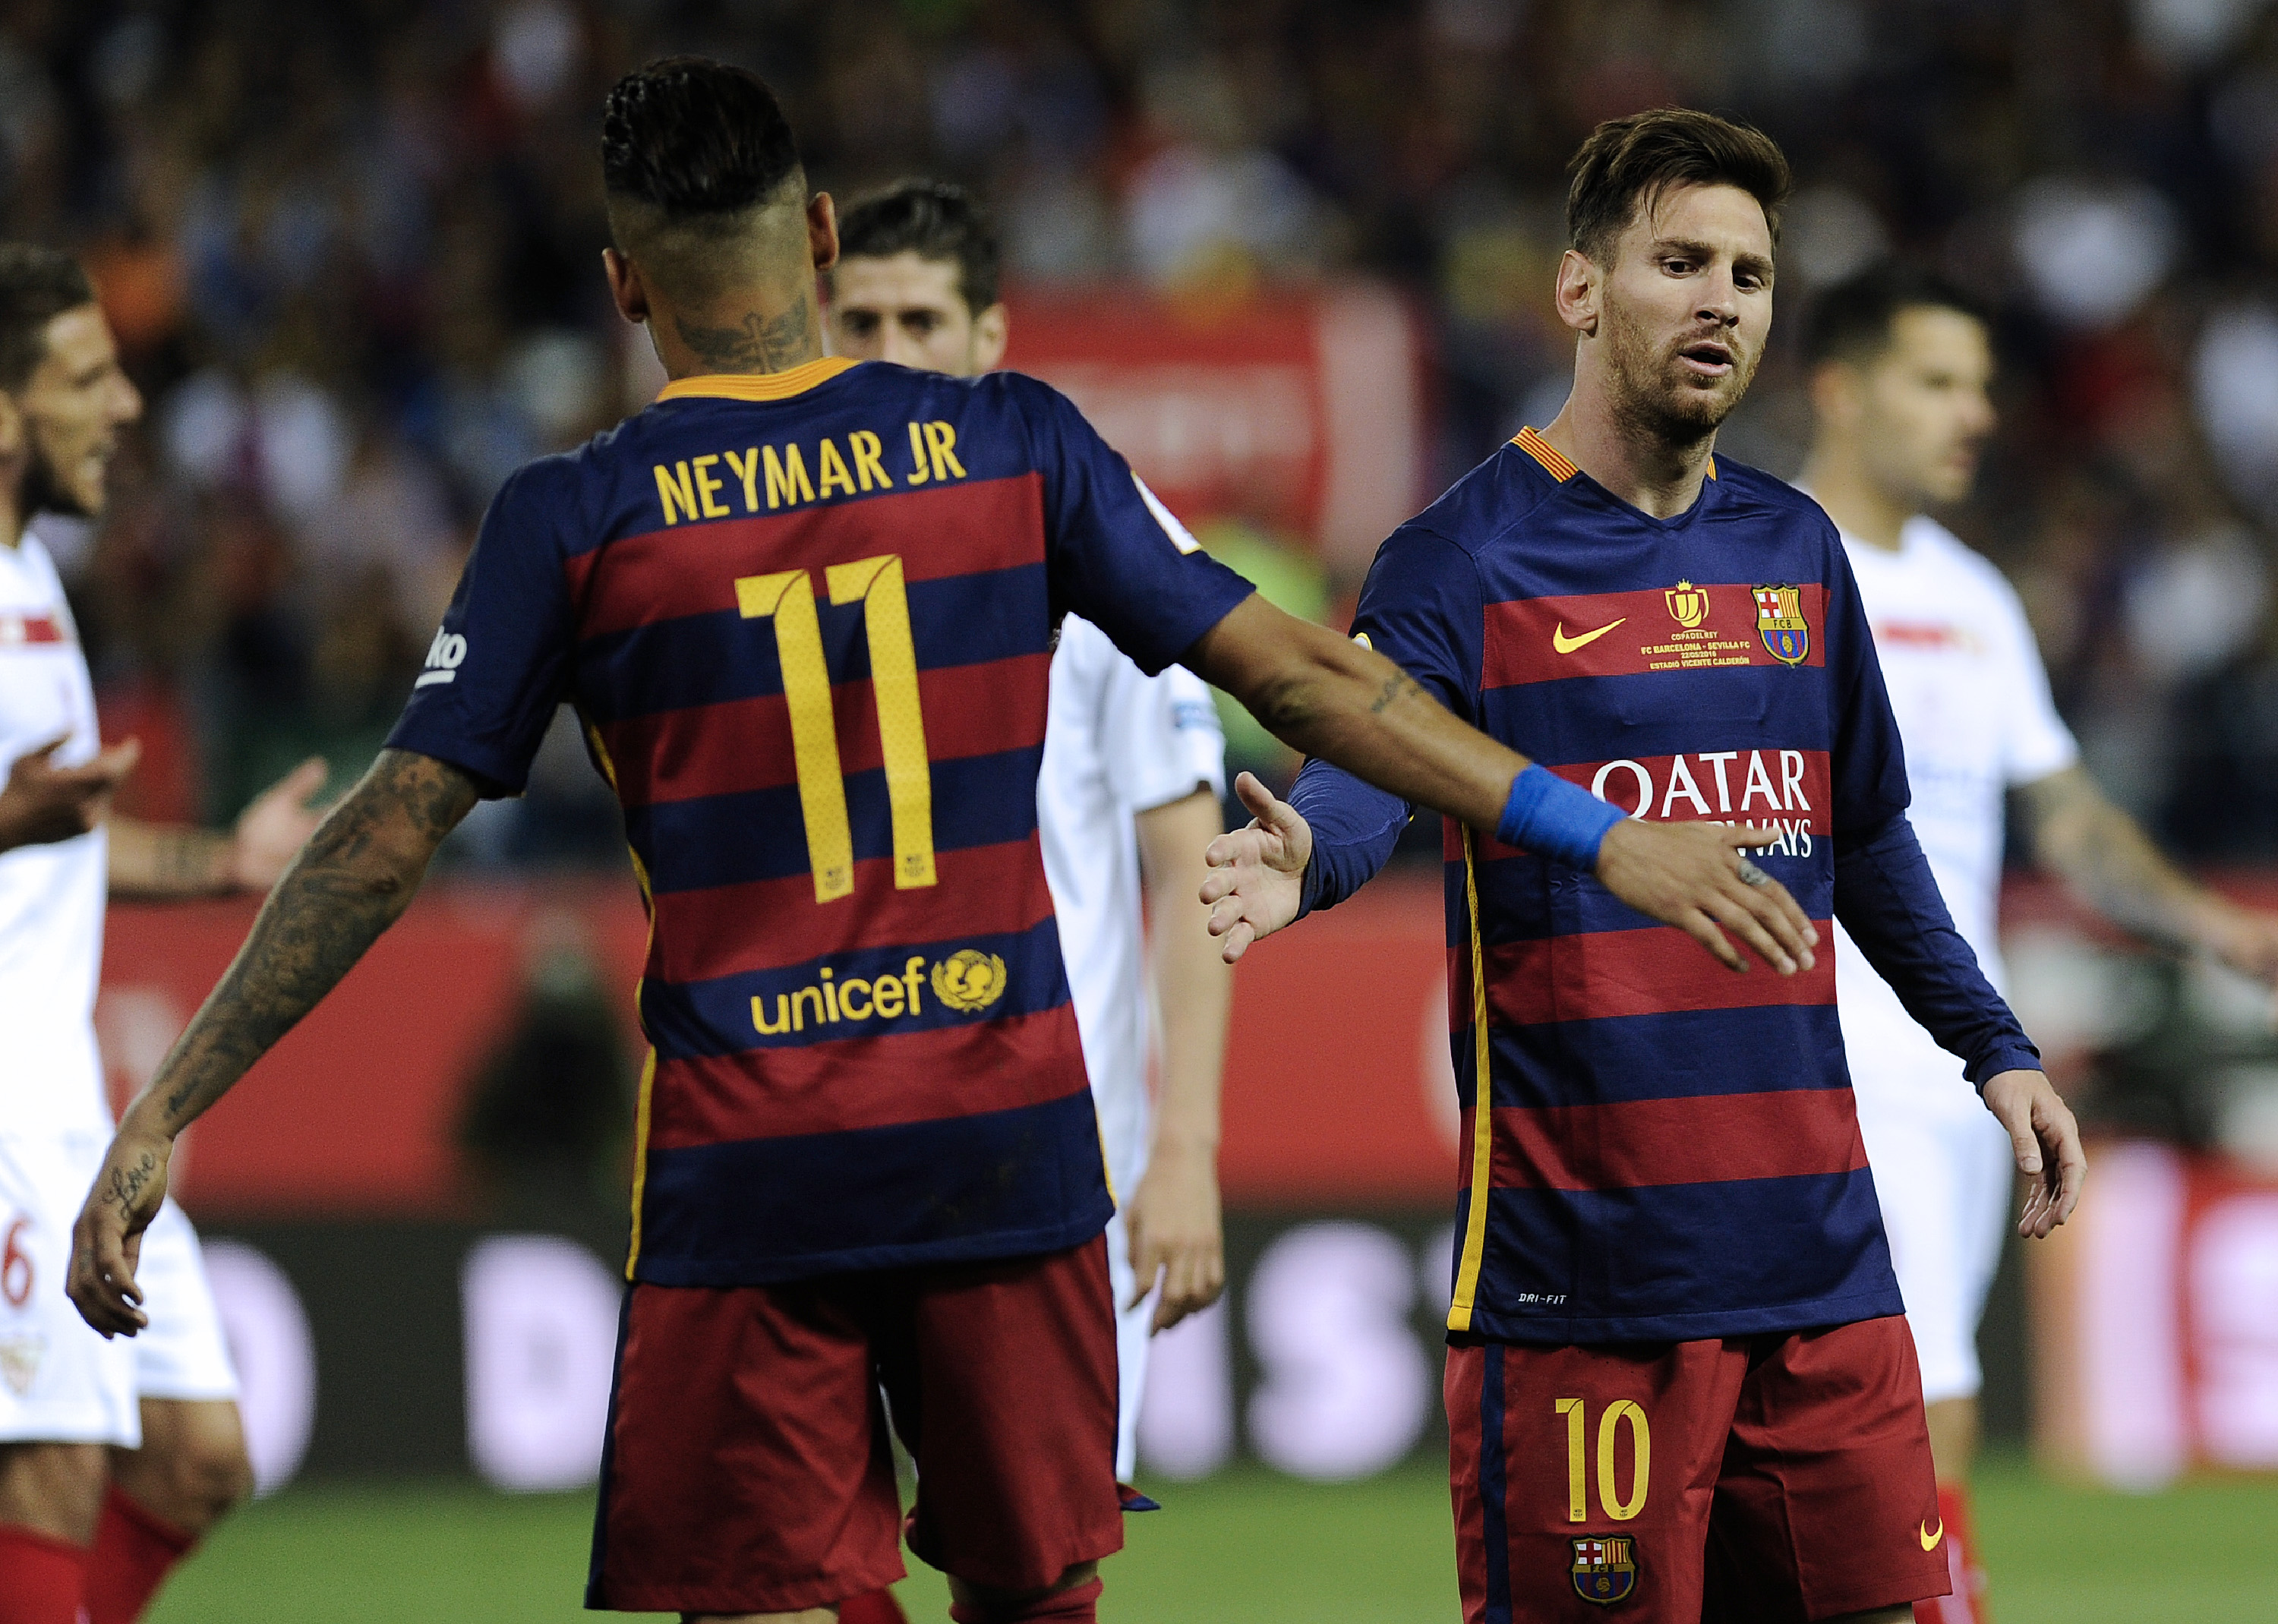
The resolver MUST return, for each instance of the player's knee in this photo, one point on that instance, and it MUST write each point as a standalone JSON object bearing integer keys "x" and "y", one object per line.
{"x": 1073, "y": 1599}
{"x": 193, "y": 1468}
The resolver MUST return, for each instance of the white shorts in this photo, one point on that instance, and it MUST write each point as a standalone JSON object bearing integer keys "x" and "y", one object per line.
{"x": 60, "y": 1381}
{"x": 1945, "y": 1174}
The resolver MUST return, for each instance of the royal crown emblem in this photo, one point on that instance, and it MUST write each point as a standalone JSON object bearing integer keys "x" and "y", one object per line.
{"x": 1687, "y": 603}
{"x": 1780, "y": 623}
{"x": 1605, "y": 1567}
{"x": 969, "y": 979}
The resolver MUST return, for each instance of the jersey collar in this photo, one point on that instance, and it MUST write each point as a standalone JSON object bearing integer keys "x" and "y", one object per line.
{"x": 757, "y": 385}
{"x": 1555, "y": 461}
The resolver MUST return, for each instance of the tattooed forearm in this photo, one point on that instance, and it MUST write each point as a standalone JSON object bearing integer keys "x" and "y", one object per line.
{"x": 2104, "y": 855}
{"x": 759, "y": 343}
{"x": 126, "y": 1183}
{"x": 352, "y": 881}
{"x": 1395, "y": 685}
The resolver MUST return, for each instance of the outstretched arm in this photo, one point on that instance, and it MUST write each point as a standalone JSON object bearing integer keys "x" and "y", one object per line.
{"x": 2104, "y": 854}
{"x": 350, "y": 882}
{"x": 1329, "y": 697}
{"x": 162, "y": 862}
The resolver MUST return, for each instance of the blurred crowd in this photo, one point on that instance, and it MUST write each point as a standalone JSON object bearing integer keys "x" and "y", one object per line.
{"x": 351, "y": 251}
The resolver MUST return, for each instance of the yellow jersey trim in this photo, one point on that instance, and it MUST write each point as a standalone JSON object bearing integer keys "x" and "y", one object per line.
{"x": 1555, "y": 461}
{"x": 649, "y": 1066}
{"x": 757, "y": 385}
{"x": 1475, "y": 1222}
{"x": 640, "y": 1158}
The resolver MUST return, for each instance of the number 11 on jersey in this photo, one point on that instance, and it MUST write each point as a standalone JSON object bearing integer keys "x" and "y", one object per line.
{"x": 787, "y": 598}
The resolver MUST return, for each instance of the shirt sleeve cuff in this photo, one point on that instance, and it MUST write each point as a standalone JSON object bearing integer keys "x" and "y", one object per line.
{"x": 2009, "y": 1058}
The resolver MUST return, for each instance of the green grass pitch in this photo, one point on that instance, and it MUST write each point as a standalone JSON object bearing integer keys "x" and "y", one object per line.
{"x": 1246, "y": 1545}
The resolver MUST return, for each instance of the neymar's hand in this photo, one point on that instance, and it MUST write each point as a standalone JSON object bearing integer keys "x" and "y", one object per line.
{"x": 1697, "y": 877}
{"x": 1176, "y": 1235}
{"x": 107, "y": 1240}
{"x": 1258, "y": 873}
{"x": 2047, "y": 1141}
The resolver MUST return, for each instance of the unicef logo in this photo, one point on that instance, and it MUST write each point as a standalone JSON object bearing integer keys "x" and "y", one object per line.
{"x": 969, "y": 979}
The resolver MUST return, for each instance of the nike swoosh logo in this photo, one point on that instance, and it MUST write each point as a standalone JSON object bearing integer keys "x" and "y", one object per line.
{"x": 1930, "y": 1539}
{"x": 1565, "y": 645}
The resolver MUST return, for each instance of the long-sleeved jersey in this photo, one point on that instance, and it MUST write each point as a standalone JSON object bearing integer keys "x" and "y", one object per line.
{"x": 1657, "y": 1147}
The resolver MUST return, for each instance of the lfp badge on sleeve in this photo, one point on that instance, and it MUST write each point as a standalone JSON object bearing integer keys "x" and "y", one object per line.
{"x": 1605, "y": 1569}
{"x": 1780, "y": 623}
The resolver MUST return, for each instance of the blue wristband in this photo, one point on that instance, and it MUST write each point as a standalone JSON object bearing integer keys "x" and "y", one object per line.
{"x": 1554, "y": 819}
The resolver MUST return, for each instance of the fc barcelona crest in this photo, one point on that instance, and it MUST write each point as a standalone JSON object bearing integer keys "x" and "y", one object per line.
{"x": 1688, "y": 605}
{"x": 1605, "y": 1567}
{"x": 1780, "y": 623}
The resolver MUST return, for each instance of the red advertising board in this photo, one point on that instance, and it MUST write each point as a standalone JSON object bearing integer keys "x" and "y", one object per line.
{"x": 1338, "y": 1087}
{"x": 1302, "y": 408}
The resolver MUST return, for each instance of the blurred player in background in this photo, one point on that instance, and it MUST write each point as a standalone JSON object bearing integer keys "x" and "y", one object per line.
{"x": 1901, "y": 369}
{"x": 1674, "y": 1328}
{"x": 1128, "y": 798}
{"x": 804, "y": 607}
{"x": 160, "y": 1414}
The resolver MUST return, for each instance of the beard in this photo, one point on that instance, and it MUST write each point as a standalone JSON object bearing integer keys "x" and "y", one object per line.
{"x": 1653, "y": 396}
{"x": 45, "y": 490}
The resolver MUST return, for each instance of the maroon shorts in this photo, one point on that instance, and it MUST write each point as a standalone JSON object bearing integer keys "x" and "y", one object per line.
{"x": 1767, "y": 1479}
{"x": 747, "y": 1468}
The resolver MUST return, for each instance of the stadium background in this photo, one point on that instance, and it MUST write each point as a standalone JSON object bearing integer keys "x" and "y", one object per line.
{"x": 1294, "y": 257}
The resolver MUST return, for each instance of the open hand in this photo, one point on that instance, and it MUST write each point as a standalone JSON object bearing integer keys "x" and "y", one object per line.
{"x": 42, "y": 801}
{"x": 1176, "y": 1235}
{"x": 1258, "y": 873}
{"x": 1691, "y": 875}
{"x": 2047, "y": 1141}
{"x": 273, "y": 828}
{"x": 107, "y": 1240}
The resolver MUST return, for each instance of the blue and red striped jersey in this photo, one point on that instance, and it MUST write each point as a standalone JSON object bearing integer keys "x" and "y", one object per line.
{"x": 1656, "y": 1147}
{"x": 806, "y": 620}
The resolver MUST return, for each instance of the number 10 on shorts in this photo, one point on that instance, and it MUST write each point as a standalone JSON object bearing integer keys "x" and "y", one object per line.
{"x": 1609, "y": 1425}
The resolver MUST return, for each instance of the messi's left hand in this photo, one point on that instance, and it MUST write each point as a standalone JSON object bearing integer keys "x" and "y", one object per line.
{"x": 1173, "y": 1223}
{"x": 2047, "y": 1141}
{"x": 273, "y": 828}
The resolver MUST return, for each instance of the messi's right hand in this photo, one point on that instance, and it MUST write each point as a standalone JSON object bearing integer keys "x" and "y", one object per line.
{"x": 1258, "y": 873}
{"x": 107, "y": 1240}
{"x": 1689, "y": 875}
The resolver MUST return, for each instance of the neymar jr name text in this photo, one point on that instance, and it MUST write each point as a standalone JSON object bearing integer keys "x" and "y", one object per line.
{"x": 765, "y": 478}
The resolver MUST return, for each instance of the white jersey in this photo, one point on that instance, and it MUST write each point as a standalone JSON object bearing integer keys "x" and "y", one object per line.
{"x": 1117, "y": 742}
{"x": 51, "y": 896}
{"x": 1974, "y": 712}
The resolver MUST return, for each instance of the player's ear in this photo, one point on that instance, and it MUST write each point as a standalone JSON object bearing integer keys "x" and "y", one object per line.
{"x": 627, "y": 291}
{"x": 823, "y": 230}
{"x": 990, "y": 330}
{"x": 1577, "y": 293}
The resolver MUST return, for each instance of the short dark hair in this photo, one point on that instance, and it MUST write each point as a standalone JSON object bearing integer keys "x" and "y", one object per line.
{"x": 36, "y": 286}
{"x": 1627, "y": 163}
{"x": 690, "y": 137}
{"x": 933, "y": 219}
{"x": 1853, "y": 320}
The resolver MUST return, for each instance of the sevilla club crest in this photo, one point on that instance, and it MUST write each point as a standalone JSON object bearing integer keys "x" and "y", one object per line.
{"x": 1780, "y": 623}
{"x": 1605, "y": 1567}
